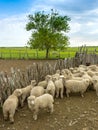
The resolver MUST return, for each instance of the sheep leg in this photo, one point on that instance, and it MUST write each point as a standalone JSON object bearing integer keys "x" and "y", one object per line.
{"x": 57, "y": 93}
{"x": 11, "y": 115}
{"x": 11, "y": 118}
{"x": 22, "y": 101}
{"x": 35, "y": 114}
{"x": 82, "y": 94}
{"x": 35, "y": 117}
{"x": 5, "y": 115}
{"x": 51, "y": 108}
{"x": 67, "y": 93}
{"x": 61, "y": 93}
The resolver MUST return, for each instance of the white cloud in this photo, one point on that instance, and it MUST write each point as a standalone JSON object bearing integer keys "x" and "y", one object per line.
{"x": 75, "y": 27}
{"x": 13, "y": 32}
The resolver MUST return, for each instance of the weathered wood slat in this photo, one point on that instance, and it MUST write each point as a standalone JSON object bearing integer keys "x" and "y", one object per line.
{"x": 19, "y": 79}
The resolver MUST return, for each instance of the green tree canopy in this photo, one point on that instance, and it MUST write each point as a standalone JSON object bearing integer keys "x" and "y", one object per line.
{"x": 48, "y": 31}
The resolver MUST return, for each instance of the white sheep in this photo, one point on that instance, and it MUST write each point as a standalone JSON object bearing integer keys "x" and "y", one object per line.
{"x": 95, "y": 83}
{"x": 93, "y": 68}
{"x": 43, "y": 84}
{"x": 41, "y": 102}
{"x": 86, "y": 76}
{"x": 26, "y": 92}
{"x": 56, "y": 75}
{"x": 92, "y": 73}
{"x": 95, "y": 77}
{"x": 10, "y": 105}
{"x": 82, "y": 67}
{"x": 71, "y": 76}
{"x": 59, "y": 87}
{"x": 51, "y": 86}
{"x": 37, "y": 91}
{"x": 96, "y": 86}
{"x": 65, "y": 72}
{"x": 76, "y": 86}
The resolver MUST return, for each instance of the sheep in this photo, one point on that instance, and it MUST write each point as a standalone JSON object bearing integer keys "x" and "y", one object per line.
{"x": 76, "y": 86}
{"x": 58, "y": 71}
{"x": 59, "y": 87}
{"x": 82, "y": 67}
{"x": 93, "y": 68}
{"x": 92, "y": 73}
{"x": 95, "y": 77}
{"x": 56, "y": 75}
{"x": 10, "y": 105}
{"x": 71, "y": 76}
{"x": 26, "y": 92}
{"x": 86, "y": 76}
{"x": 43, "y": 84}
{"x": 74, "y": 70}
{"x": 65, "y": 72}
{"x": 78, "y": 74}
{"x": 37, "y": 91}
{"x": 50, "y": 87}
{"x": 41, "y": 102}
{"x": 95, "y": 83}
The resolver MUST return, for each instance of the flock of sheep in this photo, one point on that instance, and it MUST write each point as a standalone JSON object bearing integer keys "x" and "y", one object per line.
{"x": 41, "y": 95}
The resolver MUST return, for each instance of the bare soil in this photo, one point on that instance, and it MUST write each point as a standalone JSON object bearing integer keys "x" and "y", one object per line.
{"x": 73, "y": 113}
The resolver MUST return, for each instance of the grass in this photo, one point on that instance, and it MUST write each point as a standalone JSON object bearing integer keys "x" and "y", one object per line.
{"x": 27, "y": 53}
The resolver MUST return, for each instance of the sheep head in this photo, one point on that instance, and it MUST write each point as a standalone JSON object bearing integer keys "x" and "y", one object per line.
{"x": 17, "y": 92}
{"x": 33, "y": 82}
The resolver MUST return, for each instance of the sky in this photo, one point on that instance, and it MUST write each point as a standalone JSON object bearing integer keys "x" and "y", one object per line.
{"x": 83, "y": 24}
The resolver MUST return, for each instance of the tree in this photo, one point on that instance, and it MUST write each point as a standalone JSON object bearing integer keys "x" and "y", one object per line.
{"x": 48, "y": 31}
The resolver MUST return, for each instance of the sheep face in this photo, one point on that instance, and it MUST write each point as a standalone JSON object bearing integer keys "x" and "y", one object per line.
{"x": 48, "y": 77}
{"x": 54, "y": 78}
{"x": 30, "y": 98}
{"x": 18, "y": 92}
{"x": 31, "y": 102}
{"x": 33, "y": 82}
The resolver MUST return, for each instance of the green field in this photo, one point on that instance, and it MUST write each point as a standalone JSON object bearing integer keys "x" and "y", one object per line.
{"x": 27, "y": 53}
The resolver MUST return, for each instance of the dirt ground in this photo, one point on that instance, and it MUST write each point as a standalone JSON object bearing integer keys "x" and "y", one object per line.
{"x": 73, "y": 113}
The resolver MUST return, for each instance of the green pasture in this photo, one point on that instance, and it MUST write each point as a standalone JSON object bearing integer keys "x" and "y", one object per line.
{"x": 27, "y": 53}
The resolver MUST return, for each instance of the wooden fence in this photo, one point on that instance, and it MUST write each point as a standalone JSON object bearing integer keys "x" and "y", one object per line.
{"x": 18, "y": 78}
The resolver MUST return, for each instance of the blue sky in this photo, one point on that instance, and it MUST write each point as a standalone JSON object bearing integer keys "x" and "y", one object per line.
{"x": 83, "y": 25}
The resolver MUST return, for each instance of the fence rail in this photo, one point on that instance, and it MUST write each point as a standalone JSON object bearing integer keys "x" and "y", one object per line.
{"x": 19, "y": 78}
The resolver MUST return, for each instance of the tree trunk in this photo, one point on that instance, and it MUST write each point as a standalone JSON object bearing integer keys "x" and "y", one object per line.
{"x": 47, "y": 53}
